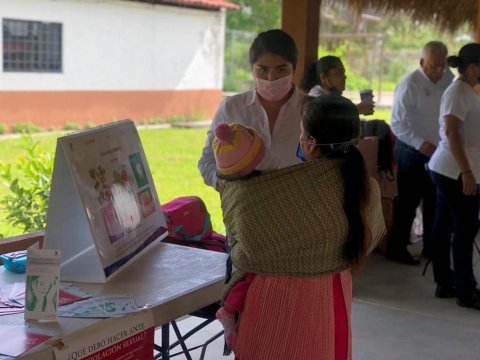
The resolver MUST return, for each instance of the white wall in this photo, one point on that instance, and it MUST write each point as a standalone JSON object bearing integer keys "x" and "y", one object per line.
{"x": 122, "y": 45}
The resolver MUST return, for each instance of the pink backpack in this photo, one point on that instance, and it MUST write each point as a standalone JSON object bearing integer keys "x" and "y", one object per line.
{"x": 189, "y": 224}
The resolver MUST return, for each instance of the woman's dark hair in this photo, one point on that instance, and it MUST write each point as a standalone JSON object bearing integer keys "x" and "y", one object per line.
{"x": 321, "y": 66}
{"x": 277, "y": 42}
{"x": 333, "y": 119}
{"x": 468, "y": 54}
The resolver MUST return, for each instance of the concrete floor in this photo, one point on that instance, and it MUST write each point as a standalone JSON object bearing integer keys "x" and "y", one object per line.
{"x": 395, "y": 316}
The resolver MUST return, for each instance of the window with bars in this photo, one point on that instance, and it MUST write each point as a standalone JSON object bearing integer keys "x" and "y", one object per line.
{"x": 31, "y": 46}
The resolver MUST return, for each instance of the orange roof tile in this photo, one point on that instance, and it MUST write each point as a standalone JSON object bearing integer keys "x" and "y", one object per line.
{"x": 206, "y": 4}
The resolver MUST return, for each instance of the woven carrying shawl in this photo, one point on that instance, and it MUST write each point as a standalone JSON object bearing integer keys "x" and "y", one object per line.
{"x": 291, "y": 221}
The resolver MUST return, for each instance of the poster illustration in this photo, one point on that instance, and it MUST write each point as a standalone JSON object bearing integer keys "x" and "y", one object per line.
{"x": 138, "y": 170}
{"x": 111, "y": 174}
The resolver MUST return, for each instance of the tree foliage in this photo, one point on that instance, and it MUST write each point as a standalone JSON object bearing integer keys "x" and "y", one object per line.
{"x": 383, "y": 46}
{"x": 255, "y": 15}
{"x": 367, "y": 58}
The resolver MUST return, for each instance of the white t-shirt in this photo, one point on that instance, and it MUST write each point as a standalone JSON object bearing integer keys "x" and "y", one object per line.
{"x": 245, "y": 109}
{"x": 318, "y": 90}
{"x": 416, "y": 106}
{"x": 460, "y": 100}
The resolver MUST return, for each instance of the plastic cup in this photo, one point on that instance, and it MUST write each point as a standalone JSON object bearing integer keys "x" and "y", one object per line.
{"x": 366, "y": 94}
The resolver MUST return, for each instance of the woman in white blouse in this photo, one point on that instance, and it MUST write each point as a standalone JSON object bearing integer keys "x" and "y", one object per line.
{"x": 455, "y": 170}
{"x": 273, "y": 108}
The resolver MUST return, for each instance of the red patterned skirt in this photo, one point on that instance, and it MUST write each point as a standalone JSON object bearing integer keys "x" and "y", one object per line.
{"x": 296, "y": 318}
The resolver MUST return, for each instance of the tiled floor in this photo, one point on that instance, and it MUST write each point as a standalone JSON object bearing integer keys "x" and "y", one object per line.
{"x": 395, "y": 316}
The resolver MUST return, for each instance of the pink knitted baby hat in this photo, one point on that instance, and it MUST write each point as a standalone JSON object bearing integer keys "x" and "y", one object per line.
{"x": 238, "y": 149}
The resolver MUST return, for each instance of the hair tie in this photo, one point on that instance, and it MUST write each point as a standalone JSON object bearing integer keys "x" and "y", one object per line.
{"x": 343, "y": 146}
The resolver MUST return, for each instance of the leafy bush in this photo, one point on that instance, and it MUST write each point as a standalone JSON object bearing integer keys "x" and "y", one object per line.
{"x": 3, "y": 129}
{"x": 70, "y": 125}
{"x": 172, "y": 119}
{"x": 240, "y": 80}
{"x": 25, "y": 128}
{"x": 175, "y": 119}
{"x": 28, "y": 181}
{"x": 155, "y": 121}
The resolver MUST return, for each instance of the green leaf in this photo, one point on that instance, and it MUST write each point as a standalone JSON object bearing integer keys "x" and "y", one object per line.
{"x": 26, "y": 203}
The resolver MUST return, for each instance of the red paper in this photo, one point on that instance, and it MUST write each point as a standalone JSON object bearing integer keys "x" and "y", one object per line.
{"x": 20, "y": 339}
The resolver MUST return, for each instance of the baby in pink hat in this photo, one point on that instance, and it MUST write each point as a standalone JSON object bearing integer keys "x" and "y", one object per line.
{"x": 239, "y": 152}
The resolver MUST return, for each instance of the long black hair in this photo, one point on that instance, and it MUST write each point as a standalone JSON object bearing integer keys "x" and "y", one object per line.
{"x": 321, "y": 66}
{"x": 333, "y": 119}
{"x": 274, "y": 41}
{"x": 468, "y": 54}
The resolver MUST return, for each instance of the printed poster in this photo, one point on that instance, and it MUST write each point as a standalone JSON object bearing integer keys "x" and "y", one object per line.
{"x": 126, "y": 338}
{"x": 116, "y": 187}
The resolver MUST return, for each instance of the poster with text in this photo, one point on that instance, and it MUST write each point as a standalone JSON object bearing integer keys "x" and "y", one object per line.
{"x": 115, "y": 185}
{"x": 126, "y": 338}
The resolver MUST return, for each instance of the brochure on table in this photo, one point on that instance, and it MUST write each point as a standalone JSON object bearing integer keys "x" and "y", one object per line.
{"x": 104, "y": 211}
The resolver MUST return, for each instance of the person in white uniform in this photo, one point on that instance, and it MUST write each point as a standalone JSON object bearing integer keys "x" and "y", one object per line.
{"x": 414, "y": 123}
{"x": 273, "y": 109}
{"x": 455, "y": 170}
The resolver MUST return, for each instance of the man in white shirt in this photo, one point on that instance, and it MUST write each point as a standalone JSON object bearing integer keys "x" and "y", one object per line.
{"x": 414, "y": 122}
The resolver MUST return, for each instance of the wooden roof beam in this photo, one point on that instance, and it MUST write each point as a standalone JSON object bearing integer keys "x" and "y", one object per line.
{"x": 301, "y": 19}
{"x": 477, "y": 29}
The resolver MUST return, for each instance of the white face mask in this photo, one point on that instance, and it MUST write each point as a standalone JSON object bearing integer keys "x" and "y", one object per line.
{"x": 274, "y": 90}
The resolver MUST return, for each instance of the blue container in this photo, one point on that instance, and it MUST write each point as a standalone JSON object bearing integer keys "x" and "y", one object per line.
{"x": 15, "y": 262}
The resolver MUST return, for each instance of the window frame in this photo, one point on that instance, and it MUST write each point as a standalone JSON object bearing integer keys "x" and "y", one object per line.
{"x": 31, "y": 46}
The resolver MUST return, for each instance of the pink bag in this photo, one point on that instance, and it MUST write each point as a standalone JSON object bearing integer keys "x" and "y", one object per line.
{"x": 189, "y": 224}
{"x": 187, "y": 218}
{"x": 216, "y": 242}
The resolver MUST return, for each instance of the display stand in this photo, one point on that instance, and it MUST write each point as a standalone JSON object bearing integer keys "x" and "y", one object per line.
{"x": 104, "y": 211}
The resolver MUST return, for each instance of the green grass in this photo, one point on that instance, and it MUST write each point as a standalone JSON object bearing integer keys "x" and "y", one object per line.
{"x": 381, "y": 114}
{"x": 172, "y": 156}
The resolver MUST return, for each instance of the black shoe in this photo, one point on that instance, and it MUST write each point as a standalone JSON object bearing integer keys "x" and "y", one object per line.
{"x": 403, "y": 257}
{"x": 445, "y": 291}
{"x": 472, "y": 301}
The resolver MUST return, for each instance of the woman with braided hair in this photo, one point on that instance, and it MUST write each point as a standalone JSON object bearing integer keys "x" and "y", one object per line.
{"x": 300, "y": 230}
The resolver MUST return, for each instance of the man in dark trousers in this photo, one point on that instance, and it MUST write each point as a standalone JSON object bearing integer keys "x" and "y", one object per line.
{"x": 414, "y": 122}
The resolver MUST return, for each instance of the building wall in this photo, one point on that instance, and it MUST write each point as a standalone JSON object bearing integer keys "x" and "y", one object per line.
{"x": 120, "y": 59}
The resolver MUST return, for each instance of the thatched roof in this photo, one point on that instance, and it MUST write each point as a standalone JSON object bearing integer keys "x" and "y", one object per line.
{"x": 446, "y": 14}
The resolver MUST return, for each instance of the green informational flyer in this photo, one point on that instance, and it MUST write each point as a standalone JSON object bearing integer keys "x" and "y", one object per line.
{"x": 42, "y": 284}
